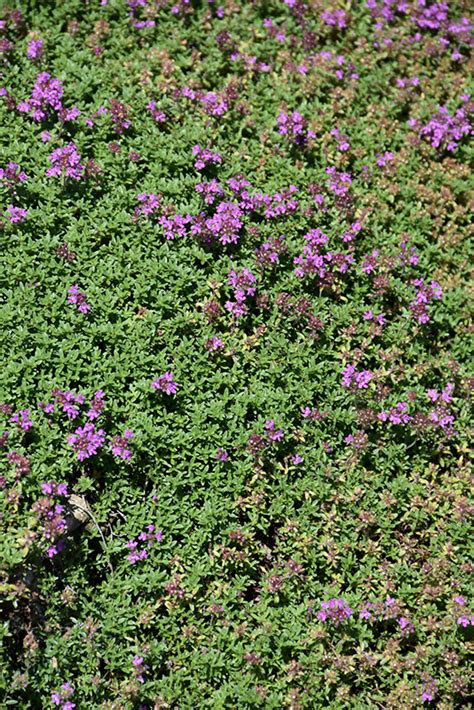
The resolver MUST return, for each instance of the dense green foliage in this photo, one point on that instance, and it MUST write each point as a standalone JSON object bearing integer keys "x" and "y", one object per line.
{"x": 279, "y": 477}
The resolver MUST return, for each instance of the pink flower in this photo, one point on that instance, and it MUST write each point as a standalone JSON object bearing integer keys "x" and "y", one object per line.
{"x": 165, "y": 383}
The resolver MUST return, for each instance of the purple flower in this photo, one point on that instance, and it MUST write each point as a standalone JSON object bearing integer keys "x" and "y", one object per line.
{"x": 396, "y": 415}
{"x": 96, "y": 406}
{"x": 119, "y": 445}
{"x": 62, "y": 697}
{"x": 165, "y": 383}
{"x": 335, "y": 18}
{"x": 214, "y": 344}
{"x": 243, "y": 284}
{"x": 22, "y": 418}
{"x": 406, "y": 626}
{"x": 338, "y": 182}
{"x": 86, "y": 441}
{"x": 16, "y": 214}
{"x": 205, "y": 157}
{"x": 424, "y": 294}
{"x": 429, "y": 690}
{"x": 156, "y": 114}
{"x": 67, "y": 401}
{"x": 351, "y": 377}
{"x": 149, "y": 203}
{"x": 66, "y": 162}
{"x": 12, "y": 174}
{"x": 272, "y": 433}
{"x": 137, "y": 546}
{"x": 334, "y": 611}
{"x": 139, "y": 668}
{"x": 209, "y": 191}
{"x": 267, "y": 256}
{"x": 78, "y": 298}
{"x": 46, "y": 95}
{"x": 35, "y": 49}
{"x": 222, "y": 455}
{"x": 223, "y": 226}
{"x": 174, "y": 225}
{"x": 295, "y": 127}
{"x": 445, "y": 130}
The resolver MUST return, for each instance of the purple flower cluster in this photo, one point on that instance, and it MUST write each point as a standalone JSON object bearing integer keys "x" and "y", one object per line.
{"x": 21, "y": 463}
{"x": 205, "y": 157}
{"x": 322, "y": 264}
{"x": 86, "y": 441}
{"x": 350, "y": 234}
{"x": 119, "y": 445}
{"x": 139, "y": 668}
{"x": 224, "y": 226}
{"x": 295, "y": 127}
{"x": 96, "y": 406}
{"x": 78, "y": 298}
{"x": 62, "y": 697}
{"x": 379, "y": 319}
{"x": 243, "y": 284}
{"x": 388, "y": 610}
{"x": 429, "y": 689}
{"x": 11, "y": 175}
{"x": 334, "y": 611}
{"x": 165, "y": 383}
{"x": 16, "y": 215}
{"x": 268, "y": 254}
{"x": 157, "y": 115}
{"x": 50, "y": 515}
{"x": 384, "y": 159}
{"x": 140, "y": 545}
{"x": 431, "y": 16}
{"x": 313, "y": 413}
{"x": 335, "y": 18}
{"x": 273, "y": 30}
{"x": 215, "y": 104}
{"x": 396, "y": 415}
{"x": 209, "y": 191}
{"x": 342, "y": 140}
{"x": 442, "y": 417}
{"x": 271, "y": 435}
{"x": 446, "y": 395}
{"x": 407, "y": 255}
{"x": 67, "y": 402}
{"x": 214, "y": 344}
{"x": 46, "y": 97}
{"x": 22, "y": 418}
{"x": 66, "y": 162}
{"x": 35, "y": 49}
{"x": 338, "y": 182}
{"x": 351, "y": 377}
{"x": 424, "y": 294}
{"x": 358, "y": 441}
{"x": 119, "y": 116}
{"x": 174, "y": 225}
{"x": 149, "y": 204}
{"x": 445, "y": 130}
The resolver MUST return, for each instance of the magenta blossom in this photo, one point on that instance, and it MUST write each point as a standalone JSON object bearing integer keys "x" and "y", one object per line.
{"x": 119, "y": 445}
{"x": 78, "y": 298}
{"x": 165, "y": 383}
{"x": 86, "y": 441}
{"x": 16, "y": 214}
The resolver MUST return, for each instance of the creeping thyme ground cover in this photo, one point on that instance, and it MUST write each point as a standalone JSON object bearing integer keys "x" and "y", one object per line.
{"x": 235, "y": 358}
